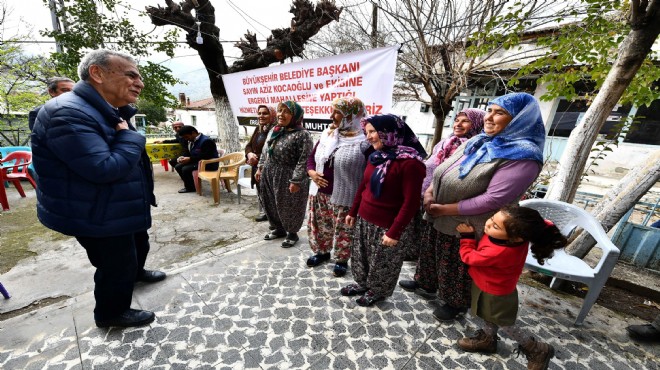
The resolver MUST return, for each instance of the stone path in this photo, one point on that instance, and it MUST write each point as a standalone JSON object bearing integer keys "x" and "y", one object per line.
{"x": 257, "y": 306}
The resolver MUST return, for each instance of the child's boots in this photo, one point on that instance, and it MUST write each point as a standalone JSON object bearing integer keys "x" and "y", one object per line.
{"x": 480, "y": 342}
{"x": 538, "y": 354}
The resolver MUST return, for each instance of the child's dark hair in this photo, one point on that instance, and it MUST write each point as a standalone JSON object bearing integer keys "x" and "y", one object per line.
{"x": 527, "y": 224}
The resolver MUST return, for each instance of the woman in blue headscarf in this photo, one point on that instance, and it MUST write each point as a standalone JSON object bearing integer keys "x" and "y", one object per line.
{"x": 282, "y": 174}
{"x": 491, "y": 170}
{"x": 385, "y": 203}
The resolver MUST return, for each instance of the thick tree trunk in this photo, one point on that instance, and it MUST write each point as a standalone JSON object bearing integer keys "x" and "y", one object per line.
{"x": 228, "y": 137}
{"x": 619, "y": 200}
{"x": 632, "y": 52}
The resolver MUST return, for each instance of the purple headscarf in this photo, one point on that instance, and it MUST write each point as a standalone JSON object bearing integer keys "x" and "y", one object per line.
{"x": 476, "y": 117}
{"x": 399, "y": 142}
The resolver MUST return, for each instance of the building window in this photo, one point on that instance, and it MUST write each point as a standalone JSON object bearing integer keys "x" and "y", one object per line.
{"x": 646, "y": 129}
{"x": 194, "y": 120}
{"x": 568, "y": 114}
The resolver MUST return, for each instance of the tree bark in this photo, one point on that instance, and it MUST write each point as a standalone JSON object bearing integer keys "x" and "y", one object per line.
{"x": 635, "y": 47}
{"x": 619, "y": 200}
{"x": 283, "y": 43}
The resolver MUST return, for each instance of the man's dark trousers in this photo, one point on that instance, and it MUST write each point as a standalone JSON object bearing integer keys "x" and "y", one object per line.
{"x": 118, "y": 260}
{"x": 186, "y": 173}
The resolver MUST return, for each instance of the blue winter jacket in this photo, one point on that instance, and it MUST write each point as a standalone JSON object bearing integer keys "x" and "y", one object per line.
{"x": 93, "y": 181}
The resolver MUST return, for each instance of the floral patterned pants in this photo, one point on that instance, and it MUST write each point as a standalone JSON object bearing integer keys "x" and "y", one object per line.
{"x": 326, "y": 227}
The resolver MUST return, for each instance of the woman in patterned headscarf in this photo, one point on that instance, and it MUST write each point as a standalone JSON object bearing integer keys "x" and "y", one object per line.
{"x": 468, "y": 123}
{"x": 335, "y": 167}
{"x": 491, "y": 170}
{"x": 282, "y": 176}
{"x": 266, "y": 120}
{"x": 384, "y": 205}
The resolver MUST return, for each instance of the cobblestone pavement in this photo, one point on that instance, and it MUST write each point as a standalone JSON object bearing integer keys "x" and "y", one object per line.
{"x": 257, "y": 306}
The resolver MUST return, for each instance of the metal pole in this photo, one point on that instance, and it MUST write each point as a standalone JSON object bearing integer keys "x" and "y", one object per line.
{"x": 56, "y": 24}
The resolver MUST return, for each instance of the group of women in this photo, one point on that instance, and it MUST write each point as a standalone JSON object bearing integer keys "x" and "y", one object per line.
{"x": 372, "y": 188}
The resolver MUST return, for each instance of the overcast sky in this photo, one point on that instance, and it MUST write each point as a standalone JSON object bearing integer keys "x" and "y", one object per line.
{"x": 233, "y": 17}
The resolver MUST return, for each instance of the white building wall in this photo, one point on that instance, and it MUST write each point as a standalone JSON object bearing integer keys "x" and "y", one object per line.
{"x": 204, "y": 121}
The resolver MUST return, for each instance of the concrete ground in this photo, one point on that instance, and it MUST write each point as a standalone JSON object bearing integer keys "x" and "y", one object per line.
{"x": 233, "y": 300}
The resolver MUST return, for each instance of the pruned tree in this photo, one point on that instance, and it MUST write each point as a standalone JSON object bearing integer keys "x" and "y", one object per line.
{"x": 445, "y": 45}
{"x": 197, "y": 19}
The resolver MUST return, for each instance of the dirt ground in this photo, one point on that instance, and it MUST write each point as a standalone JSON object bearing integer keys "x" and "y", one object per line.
{"x": 614, "y": 298}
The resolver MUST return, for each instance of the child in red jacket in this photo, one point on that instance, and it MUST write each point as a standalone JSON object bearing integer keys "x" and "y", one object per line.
{"x": 495, "y": 265}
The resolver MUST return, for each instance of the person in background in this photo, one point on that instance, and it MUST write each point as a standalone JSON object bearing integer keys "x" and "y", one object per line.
{"x": 468, "y": 123}
{"x": 56, "y": 87}
{"x": 335, "y": 166}
{"x": 266, "y": 116}
{"x": 96, "y": 181}
{"x": 200, "y": 147}
{"x": 176, "y": 126}
{"x": 282, "y": 174}
{"x": 384, "y": 205}
{"x": 495, "y": 264}
{"x": 491, "y": 170}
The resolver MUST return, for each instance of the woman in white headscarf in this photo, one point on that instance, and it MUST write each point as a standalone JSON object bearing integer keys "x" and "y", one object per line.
{"x": 335, "y": 166}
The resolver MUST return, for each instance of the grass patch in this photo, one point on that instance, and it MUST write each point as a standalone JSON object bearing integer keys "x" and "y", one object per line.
{"x": 18, "y": 228}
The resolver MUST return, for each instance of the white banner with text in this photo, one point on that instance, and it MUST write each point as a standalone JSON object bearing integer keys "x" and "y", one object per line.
{"x": 314, "y": 84}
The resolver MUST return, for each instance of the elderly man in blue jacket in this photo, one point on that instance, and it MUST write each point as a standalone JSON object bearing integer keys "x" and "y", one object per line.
{"x": 96, "y": 182}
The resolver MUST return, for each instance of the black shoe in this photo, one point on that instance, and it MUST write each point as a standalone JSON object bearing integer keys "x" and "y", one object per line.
{"x": 352, "y": 289}
{"x": 291, "y": 240}
{"x": 369, "y": 298}
{"x": 408, "y": 285}
{"x": 151, "y": 276}
{"x": 340, "y": 269}
{"x": 184, "y": 190}
{"x": 645, "y": 333}
{"x": 317, "y": 259}
{"x": 129, "y": 318}
{"x": 261, "y": 218}
{"x": 425, "y": 293}
{"x": 448, "y": 313}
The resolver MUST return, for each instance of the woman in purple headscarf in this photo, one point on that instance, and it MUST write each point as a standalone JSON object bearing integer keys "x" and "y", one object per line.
{"x": 468, "y": 123}
{"x": 282, "y": 174}
{"x": 385, "y": 203}
{"x": 491, "y": 170}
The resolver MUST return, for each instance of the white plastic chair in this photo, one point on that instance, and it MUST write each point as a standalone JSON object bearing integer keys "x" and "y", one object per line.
{"x": 243, "y": 181}
{"x": 563, "y": 266}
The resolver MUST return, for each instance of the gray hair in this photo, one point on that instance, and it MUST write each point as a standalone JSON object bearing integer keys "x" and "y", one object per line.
{"x": 101, "y": 58}
{"x": 52, "y": 82}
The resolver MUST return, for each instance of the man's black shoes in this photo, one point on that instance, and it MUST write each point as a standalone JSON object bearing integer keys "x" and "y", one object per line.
{"x": 128, "y": 318}
{"x": 151, "y": 276}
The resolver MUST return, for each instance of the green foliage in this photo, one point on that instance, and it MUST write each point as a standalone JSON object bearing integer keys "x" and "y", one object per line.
{"x": 154, "y": 113}
{"x": 21, "y": 89}
{"x": 94, "y": 24}
{"x": 577, "y": 52}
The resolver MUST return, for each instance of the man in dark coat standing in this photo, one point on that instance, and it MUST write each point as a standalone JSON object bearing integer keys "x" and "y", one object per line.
{"x": 96, "y": 181}
{"x": 200, "y": 147}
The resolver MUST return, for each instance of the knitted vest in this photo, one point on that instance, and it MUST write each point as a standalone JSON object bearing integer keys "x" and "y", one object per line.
{"x": 349, "y": 163}
{"x": 448, "y": 189}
